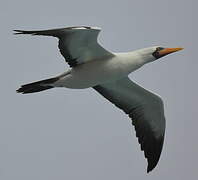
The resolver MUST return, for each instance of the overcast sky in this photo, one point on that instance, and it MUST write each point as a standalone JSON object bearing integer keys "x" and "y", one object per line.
{"x": 76, "y": 134}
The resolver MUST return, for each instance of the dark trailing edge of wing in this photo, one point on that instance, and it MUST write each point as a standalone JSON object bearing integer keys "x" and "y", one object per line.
{"x": 151, "y": 145}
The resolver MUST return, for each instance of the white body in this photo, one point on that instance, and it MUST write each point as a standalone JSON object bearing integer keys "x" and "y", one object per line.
{"x": 101, "y": 71}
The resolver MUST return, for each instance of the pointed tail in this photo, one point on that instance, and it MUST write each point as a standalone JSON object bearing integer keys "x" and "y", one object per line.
{"x": 37, "y": 86}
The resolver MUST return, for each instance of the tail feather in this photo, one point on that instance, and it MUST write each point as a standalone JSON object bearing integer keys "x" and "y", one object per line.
{"x": 37, "y": 86}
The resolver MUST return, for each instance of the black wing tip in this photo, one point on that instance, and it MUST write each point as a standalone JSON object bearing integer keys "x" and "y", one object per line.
{"x": 16, "y": 32}
{"x": 150, "y": 167}
{"x": 149, "y": 170}
{"x": 151, "y": 146}
{"x": 154, "y": 159}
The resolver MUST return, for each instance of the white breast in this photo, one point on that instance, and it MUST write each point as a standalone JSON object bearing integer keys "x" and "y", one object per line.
{"x": 98, "y": 72}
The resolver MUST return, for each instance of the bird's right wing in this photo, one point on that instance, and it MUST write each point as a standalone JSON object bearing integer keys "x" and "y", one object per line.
{"x": 147, "y": 113}
{"x": 77, "y": 44}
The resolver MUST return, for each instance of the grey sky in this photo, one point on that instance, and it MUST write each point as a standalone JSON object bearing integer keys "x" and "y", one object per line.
{"x": 77, "y": 134}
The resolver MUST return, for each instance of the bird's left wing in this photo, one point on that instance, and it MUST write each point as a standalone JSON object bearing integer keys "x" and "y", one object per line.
{"x": 77, "y": 44}
{"x": 147, "y": 113}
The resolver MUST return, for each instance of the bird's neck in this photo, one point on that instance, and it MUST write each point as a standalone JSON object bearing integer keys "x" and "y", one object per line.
{"x": 131, "y": 61}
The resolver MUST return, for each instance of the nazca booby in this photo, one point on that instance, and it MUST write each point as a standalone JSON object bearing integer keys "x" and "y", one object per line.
{"x": 107, "y": 72}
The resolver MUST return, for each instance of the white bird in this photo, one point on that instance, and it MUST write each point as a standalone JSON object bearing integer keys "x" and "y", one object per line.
{"x": 107, "y": 72}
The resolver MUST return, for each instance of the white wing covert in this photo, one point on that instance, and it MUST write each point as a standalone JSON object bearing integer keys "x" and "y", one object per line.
{"x": 146, "y": 111}
{"x": 77, "y": 44}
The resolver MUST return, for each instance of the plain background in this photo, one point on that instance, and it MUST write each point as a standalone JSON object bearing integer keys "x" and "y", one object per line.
{"x": 76, "y": 134}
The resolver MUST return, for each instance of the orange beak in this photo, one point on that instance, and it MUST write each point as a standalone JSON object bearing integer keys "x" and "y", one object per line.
{"x": 166, "y": 51}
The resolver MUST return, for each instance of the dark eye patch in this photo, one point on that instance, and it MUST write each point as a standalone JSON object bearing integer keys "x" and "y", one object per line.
{"x": 156, "y": 53}
{"x": 159, "y": 48}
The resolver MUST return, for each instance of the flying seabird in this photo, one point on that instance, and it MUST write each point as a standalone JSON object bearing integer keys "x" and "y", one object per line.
{"x": 107, "y": 73}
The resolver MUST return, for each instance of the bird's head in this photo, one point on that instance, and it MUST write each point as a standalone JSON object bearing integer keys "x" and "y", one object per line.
{"x": 153, "y": 53}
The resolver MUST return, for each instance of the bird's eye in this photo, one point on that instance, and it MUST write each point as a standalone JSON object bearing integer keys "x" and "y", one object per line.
{"x": 156, "y": 54}
{"x": 159, "y": 48}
